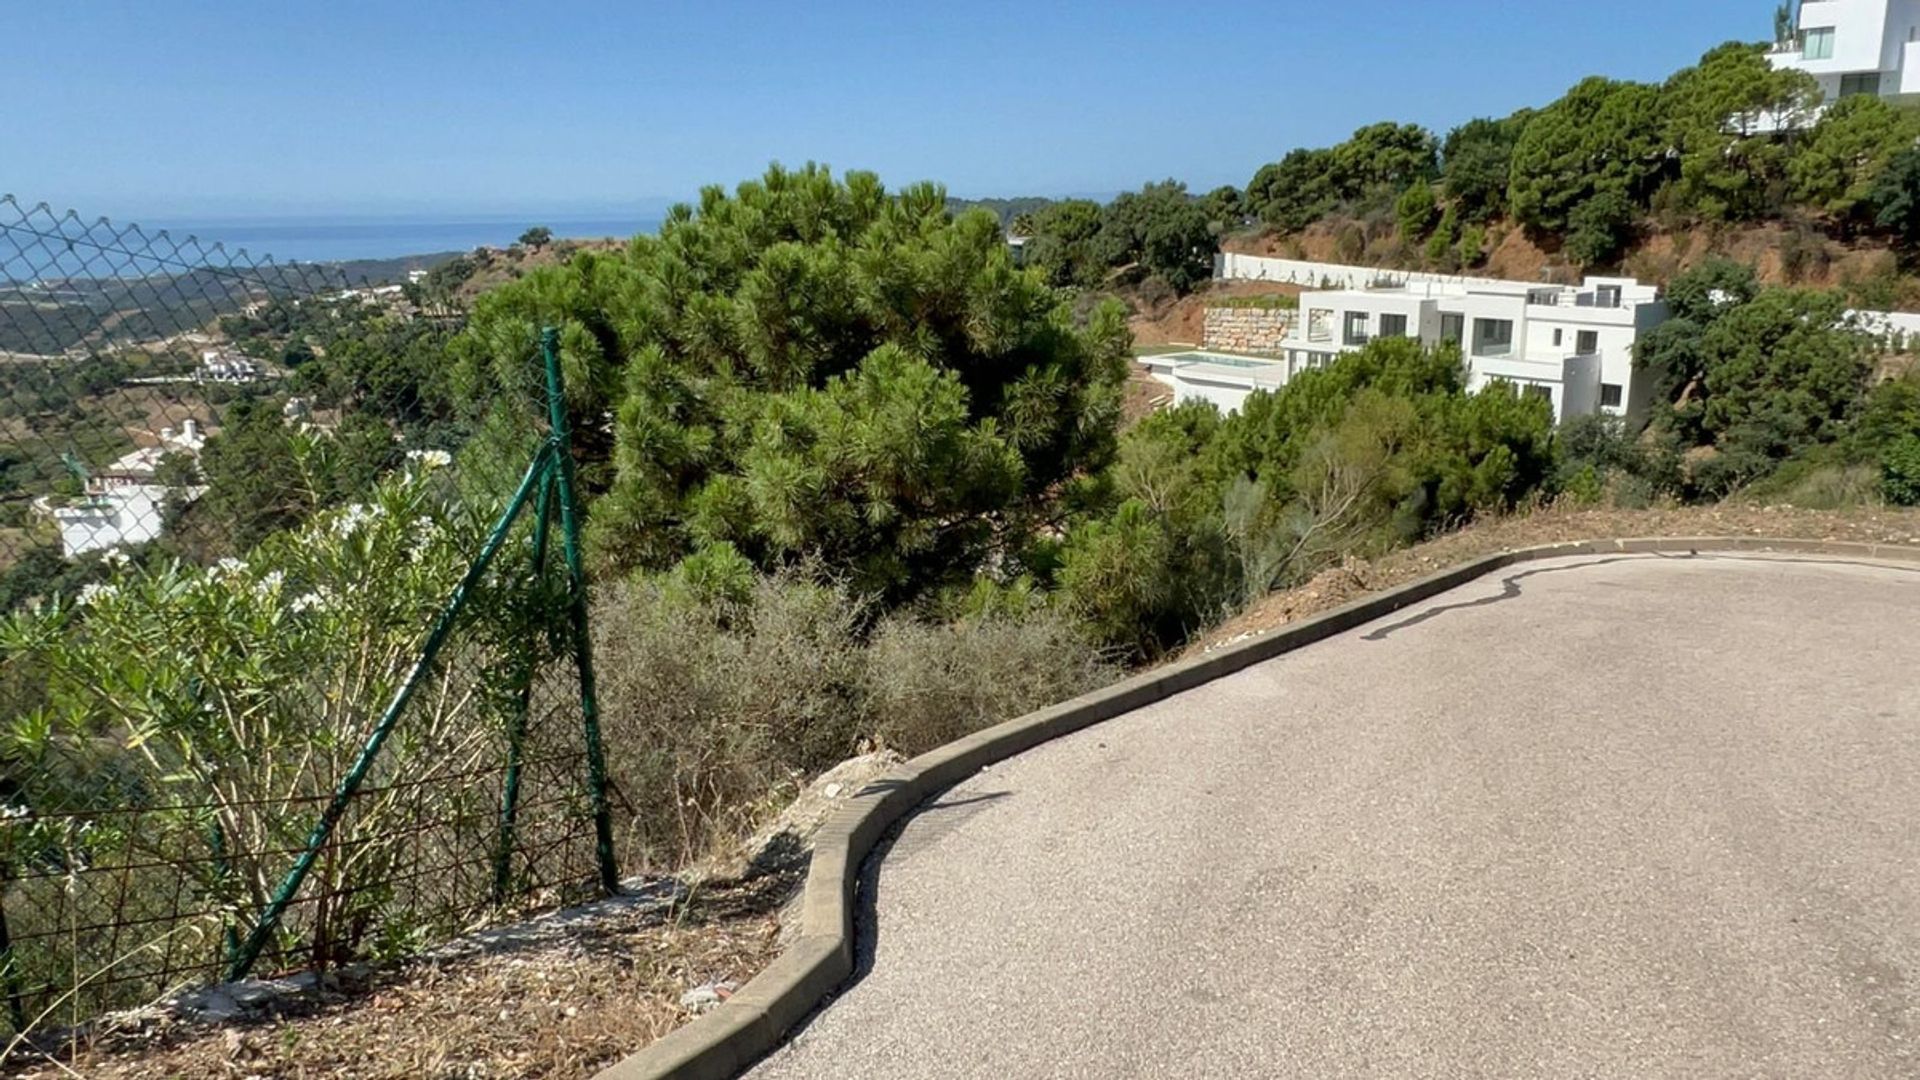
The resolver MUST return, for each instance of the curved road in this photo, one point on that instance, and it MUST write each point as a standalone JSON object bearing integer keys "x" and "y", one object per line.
{"x": 1628, "y": 816}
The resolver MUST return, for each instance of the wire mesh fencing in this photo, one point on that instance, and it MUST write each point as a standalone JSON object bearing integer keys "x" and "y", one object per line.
{"x": 293, "y": 661}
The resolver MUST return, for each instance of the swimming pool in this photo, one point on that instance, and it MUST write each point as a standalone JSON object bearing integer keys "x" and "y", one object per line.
{"x": 1222, "y": 359}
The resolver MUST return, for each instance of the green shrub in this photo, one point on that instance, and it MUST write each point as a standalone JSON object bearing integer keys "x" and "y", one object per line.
{"x": 1900, "y": 472}
{"x": 713, "y": 705}
{"x": 927, "y": 684}
{"x": 716, "y": 708}
{"x": 196, "y": 720}
{"x": 1600, "y": 229}
{"x": 1473, "y": 246}
{"x": 1209, "y": 512}
{"x": 1260, "y": 303}
{"x": 1415, "y": 211}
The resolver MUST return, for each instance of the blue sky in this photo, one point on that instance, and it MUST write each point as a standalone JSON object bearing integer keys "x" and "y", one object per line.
{"x": 220, "y": 108}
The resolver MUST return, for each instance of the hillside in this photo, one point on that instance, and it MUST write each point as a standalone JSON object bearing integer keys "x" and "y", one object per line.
{"x": 477, "y": 271}
{"x": 1782, "y": 253}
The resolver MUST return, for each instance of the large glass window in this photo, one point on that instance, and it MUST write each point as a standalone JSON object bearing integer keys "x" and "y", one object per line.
{"x": 1868, "y": 84}
{"x": 1492, "y": 337}
{"x": 1610, "y": 395}
{"x": 1356, "y": 328}
{"x": 1817, "y": 43}
{"x": 1393, "y": 326}
{"x": 1586, "y": 343}
{"x": 1453, "y": 328}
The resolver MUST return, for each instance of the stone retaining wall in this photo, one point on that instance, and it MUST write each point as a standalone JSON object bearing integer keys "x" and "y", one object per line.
{"x": 1258, "y": 331}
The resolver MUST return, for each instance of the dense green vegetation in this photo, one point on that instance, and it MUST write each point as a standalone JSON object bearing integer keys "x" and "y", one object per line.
{"x": 1204, "y": 513}
{"x": 814, "y": 369}
{"x": 1762, "y": 392}
{"x": 1727, "y": 140}
{"x": 1161, "y": 233}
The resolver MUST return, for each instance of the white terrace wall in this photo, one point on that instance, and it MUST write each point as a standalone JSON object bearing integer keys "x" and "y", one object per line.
{"x": 1229, "y": 266}
{"x": 1256, "y": 331}
{"x": 1900, "y": 330}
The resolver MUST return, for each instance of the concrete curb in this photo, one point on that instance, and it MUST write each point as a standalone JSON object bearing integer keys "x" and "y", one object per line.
{"x": 754, "y": 1021}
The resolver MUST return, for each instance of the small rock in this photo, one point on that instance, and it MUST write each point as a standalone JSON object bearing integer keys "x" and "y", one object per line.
{"x": 832, "y": 791}
{"x": 251, "y": 994}
{"x": 700, "y": 999}
{"x": 216, "y": 1005}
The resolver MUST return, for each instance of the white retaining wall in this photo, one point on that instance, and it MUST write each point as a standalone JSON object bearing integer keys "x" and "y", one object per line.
{"x": 1229, "y": 266}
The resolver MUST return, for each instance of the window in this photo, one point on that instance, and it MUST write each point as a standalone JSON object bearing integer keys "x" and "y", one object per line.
{"x": 1393, "y": 326}
{"x": 1607, "y": 296}
{"x": 1868, "y": 84}
{"x": 1610, "y": 396}
{"x": 1356, "y": 328}
{"x": 1817, "y": 44}
{"x": 1557, "y": 337}
{"x": 1539, "y": 391}
{"x": 1492, "y": 337}
{"x": 1587, "y": 343}
{"x": 1453, "y": 328}
{"x": 1319, "y": 324}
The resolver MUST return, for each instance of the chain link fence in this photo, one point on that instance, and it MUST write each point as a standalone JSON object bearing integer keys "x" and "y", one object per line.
{"x": 293, "y": 661}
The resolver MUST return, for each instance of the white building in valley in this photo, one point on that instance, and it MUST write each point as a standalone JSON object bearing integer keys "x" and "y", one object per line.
{"x": 1572, "y": 345}
{"x": 1856, "y": 47}
{"x": 125, "y": 503}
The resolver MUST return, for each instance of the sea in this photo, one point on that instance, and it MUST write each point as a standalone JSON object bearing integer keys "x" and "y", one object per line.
{"x": 344, "y": 239}
{"x": 39, "y": 246}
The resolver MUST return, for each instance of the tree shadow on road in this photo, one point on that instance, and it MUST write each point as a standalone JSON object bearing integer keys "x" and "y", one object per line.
{"x": 1510, "y": 585}
{"x": 1509, "y": 590}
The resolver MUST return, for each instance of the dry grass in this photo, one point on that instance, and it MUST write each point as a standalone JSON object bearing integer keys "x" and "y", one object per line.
{"x": 1145, "y": 395}
{"x": 1182, "y": 321}
{"x": 1356, "y": 578}
{"x": 565, "y": 1007}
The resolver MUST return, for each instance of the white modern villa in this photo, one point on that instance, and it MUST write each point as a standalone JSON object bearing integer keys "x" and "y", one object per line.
{"x": 125, "y": 503}
{"x": 1856, "y": 47}
{"x": 1571, "y": 344}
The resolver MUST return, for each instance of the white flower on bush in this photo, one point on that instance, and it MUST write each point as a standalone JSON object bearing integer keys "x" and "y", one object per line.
{"x": 425, "y": 532}
{"x": 269, "y": 582}
{"x": 430, "y": 459}
{"x": 117, "y": 559}
{"x": 349, "y": 520}
{"x": 229, "y": 567}
{"x": 317, "y": 600}
{"x": 96, "y": 592}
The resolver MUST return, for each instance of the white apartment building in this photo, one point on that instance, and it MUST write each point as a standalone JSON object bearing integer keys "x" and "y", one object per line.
{"x": 1570, "y": 344}
{"x": 125, "y": 503}
{"x": 1856, "y": 47}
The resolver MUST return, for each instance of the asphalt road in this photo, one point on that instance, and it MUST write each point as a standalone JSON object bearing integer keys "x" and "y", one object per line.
{"x": 1627, "y": 817}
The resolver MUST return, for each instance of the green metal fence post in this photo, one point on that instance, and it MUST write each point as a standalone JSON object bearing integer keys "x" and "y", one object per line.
{"x": 343, "y": 794}
{"x": 577, "y": 586}
{"x": 517, "y": 735}
{"x": 223, "y": 870}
